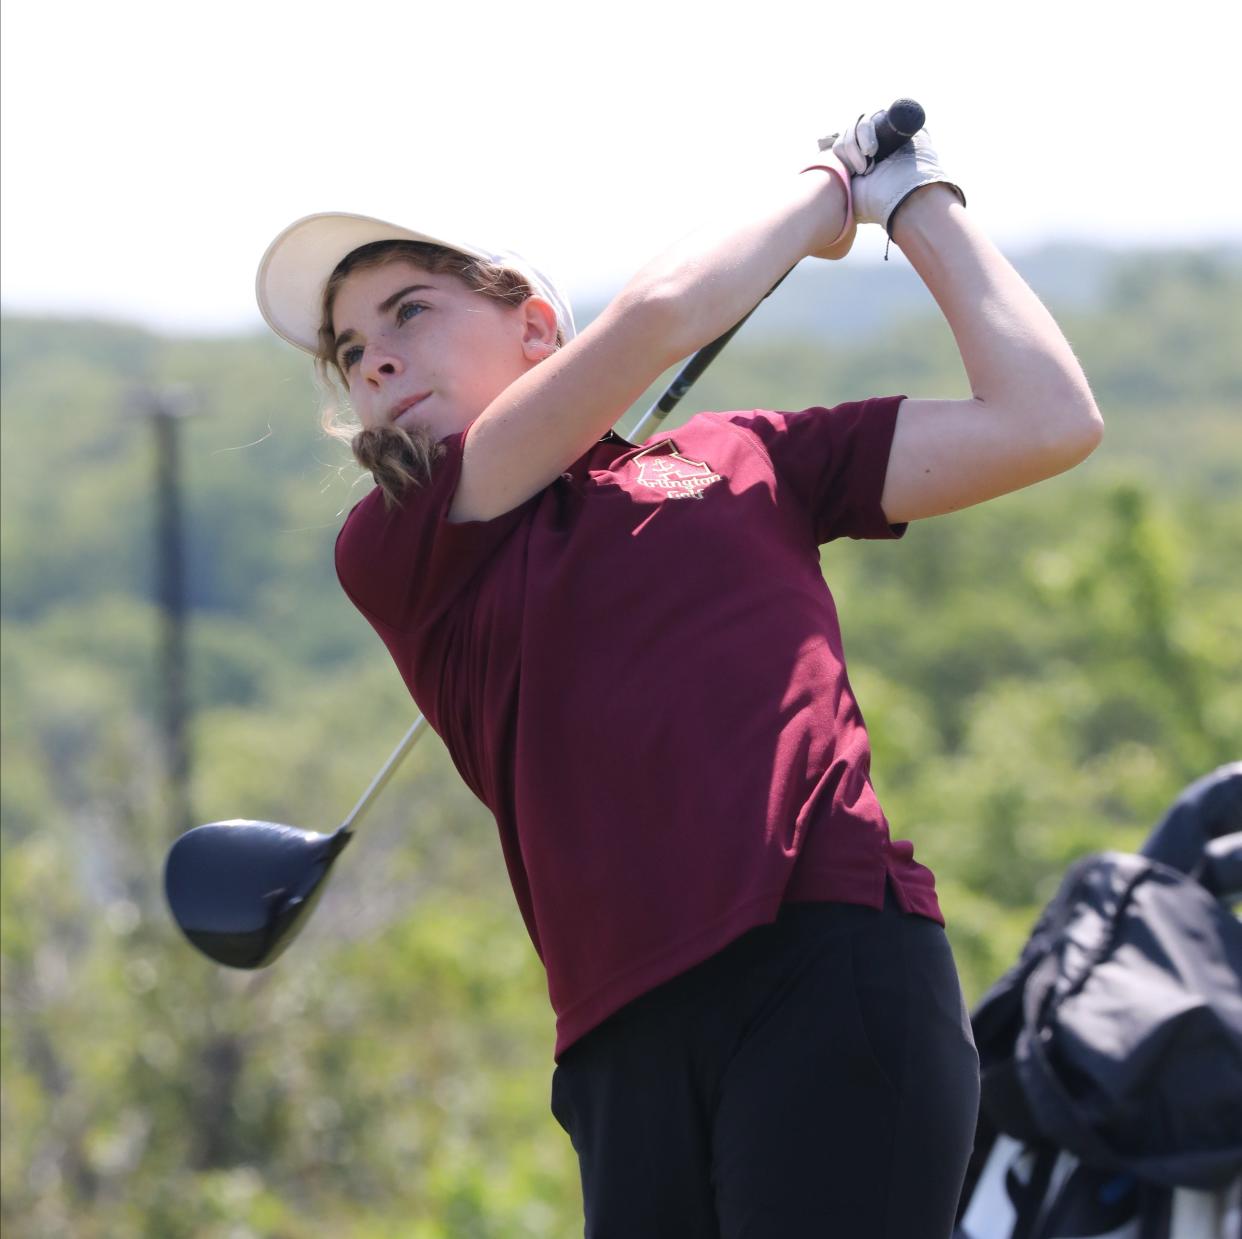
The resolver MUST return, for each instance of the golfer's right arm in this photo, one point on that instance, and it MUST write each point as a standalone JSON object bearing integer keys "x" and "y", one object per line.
{"x": 676, "y": 304}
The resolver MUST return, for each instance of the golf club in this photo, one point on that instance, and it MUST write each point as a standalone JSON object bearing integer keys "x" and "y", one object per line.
{"x": 241, "y": 890}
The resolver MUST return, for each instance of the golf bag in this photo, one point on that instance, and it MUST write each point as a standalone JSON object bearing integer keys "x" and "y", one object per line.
{"x": 1111, "y": 1053}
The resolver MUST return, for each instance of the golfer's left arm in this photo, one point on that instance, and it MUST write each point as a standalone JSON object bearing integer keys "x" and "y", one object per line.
{"x": 1031, "y": 414}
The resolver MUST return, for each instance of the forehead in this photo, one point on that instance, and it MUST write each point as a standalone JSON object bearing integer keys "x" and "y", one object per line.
{"x": 361, "y": 292}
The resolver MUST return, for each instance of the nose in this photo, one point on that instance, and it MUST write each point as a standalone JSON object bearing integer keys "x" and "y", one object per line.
{"x": 379, "y": 364}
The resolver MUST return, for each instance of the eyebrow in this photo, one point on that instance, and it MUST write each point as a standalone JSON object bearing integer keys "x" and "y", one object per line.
{"x": 383, "y": 308}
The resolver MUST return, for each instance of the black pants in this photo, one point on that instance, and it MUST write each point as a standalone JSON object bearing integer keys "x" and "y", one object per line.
{"x": 816, "y": 1078}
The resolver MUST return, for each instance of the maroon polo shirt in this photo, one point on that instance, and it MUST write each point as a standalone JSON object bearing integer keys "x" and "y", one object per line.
{"x": 639, "y": 671}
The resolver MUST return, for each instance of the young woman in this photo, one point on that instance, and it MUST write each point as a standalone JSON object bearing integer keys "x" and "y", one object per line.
{"x": 633, "y": 659}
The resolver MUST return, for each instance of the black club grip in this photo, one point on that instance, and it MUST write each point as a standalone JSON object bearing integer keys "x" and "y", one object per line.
{"x": 893, "y": 127}
{"x": 897, "y": 125}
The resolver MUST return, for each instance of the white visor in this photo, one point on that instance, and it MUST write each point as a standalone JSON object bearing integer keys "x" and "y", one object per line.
{"x": 296, "y": 267}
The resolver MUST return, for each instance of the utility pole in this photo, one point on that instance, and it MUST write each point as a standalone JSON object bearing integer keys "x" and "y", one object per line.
{"x": 166, "y": 408}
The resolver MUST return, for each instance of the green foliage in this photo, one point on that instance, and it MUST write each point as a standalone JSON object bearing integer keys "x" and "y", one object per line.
{"x": 1040, "y": 676}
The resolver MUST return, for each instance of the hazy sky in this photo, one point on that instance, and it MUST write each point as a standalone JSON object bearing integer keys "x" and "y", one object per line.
{"x": 152, "y": 150}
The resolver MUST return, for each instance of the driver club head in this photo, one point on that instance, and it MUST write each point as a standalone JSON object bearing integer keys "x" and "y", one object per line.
{"x": 241, "y": 890}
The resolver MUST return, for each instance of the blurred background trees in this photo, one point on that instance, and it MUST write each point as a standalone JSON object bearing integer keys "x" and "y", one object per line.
{"x": 1040, "y": 675}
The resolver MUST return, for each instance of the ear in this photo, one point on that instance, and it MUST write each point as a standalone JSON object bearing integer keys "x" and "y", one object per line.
{"x": 538, "y": 328}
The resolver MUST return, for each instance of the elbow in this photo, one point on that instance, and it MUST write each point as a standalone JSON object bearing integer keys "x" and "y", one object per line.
{"x": 1095, "y": 431}
{"x": 1088, "y": 428}
{"x": 1080, "y": 430}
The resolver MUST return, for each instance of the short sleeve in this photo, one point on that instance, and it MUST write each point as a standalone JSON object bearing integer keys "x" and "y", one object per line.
{"x": 406, "y": 565}
{"x": 833, "y": 462}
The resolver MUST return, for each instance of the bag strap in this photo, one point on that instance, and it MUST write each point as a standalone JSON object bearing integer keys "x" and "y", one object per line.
{"x": 1054, "y": 1110}
{"x": 1031, "y": 1204}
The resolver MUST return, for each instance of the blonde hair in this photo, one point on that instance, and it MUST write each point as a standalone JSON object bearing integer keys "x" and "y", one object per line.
{"x": 395, "y": 457}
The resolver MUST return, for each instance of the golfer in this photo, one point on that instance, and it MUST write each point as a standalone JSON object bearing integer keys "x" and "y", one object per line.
{"x": 631, "y": 654}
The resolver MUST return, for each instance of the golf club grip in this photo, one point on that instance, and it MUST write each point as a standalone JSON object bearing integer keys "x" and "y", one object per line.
{"x": 896, "y": 125}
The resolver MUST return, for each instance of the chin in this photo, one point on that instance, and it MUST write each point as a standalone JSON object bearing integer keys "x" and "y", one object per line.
{"x": 438, "y": 426}
{"x": 415, "y": 425}
{"x": 427, "y": 428}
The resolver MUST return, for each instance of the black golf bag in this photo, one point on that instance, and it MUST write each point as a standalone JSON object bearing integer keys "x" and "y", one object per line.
{"x": 1111, "y": 1053}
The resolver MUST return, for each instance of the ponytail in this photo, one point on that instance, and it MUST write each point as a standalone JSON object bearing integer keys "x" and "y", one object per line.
{"x": 396, "y": 458}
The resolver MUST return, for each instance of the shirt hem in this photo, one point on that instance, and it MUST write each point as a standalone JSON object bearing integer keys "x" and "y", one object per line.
{"x": 587, "y": 1014}
{"x": 819, "y": 887}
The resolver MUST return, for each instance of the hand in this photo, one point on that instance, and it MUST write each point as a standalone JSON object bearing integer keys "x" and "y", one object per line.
{"x": 880, "y": 188}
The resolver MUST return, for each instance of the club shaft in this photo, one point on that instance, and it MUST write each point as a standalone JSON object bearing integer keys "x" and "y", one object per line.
{"x": 691, "y": 371}
{"x": 386, "y": 773}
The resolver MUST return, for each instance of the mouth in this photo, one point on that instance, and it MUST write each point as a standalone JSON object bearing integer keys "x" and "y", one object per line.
{"x": 406, "y": 405}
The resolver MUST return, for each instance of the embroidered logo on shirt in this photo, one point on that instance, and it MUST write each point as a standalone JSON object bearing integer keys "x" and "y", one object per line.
{"x": 665, "y": 469}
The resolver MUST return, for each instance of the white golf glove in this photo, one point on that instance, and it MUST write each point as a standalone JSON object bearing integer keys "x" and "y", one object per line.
{"x": 880, "y": 188}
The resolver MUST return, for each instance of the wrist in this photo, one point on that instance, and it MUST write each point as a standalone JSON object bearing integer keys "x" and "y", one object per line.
{"x": 917, "y": 216}
{"x": 833, "y": 201}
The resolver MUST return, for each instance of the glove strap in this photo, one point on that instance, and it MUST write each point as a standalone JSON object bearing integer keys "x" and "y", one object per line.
{"x": 849, "y": 197}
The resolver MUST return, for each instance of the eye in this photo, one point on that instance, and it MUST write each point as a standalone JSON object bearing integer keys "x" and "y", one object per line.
{"x": 407, "y": 310}
{"x": 351, "y": 356}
